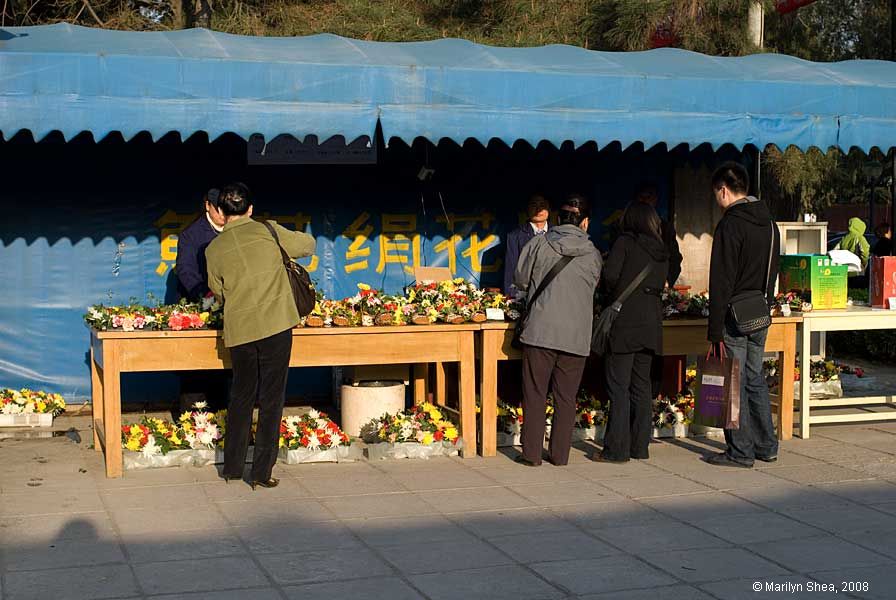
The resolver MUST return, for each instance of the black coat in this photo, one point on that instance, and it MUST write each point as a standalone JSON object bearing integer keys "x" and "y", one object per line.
{"x": 516, "y": 240}
{"x": 192, "y": 273}
{"x": 639, "y": 325}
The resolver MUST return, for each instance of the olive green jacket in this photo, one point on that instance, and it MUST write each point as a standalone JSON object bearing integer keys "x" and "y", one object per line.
{"x": 245, "y": 271}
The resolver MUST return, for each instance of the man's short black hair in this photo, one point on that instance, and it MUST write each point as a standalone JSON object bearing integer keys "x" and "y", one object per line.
{"x": 212, "y": 196}
{"x": 574, "y": 210}
{"x": 234, "y": 199}
{"x": 733, "y": 176}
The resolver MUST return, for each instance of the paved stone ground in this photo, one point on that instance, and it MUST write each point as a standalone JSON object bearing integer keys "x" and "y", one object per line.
{"x": 670, "y": 527}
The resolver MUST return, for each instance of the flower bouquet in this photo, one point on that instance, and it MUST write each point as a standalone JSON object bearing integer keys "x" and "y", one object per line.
{"x": 824, "y": 379}
{"x": 591, "y": 418}
{"x": 672, "y": 416}
{"x": 675, "y": 303}
{"x": 343, "y": 314}
{"x": 154, "y": 443}
{"x": 367, "y": 304}
{"x": 135, "y": 317}
{"x": 29, "y": 408}
{"x": 394, "y": 311}
{"x": 418, "y": 432}
{"x": 313, "y": 437}
{"x": 203, "y": 432}
{"x": 510, "y": 424}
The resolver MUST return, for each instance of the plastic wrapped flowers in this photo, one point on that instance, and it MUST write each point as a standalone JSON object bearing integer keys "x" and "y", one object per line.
{"x": 25, "y": 401}
{"x": 313, "y": 430}
{"x": 424, "y": 424}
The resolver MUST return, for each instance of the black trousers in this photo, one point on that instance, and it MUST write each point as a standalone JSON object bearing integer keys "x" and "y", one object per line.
{"x": 563, "y": 373}
{"x": 631, "y": 412}
{"x": 259, "y": 374}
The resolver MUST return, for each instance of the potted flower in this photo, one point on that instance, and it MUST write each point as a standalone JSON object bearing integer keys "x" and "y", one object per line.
{"x": 29, "y": 408}
{"x": 418, "y": 432}
{"x": 154, "y": 443}
{"x": 313, "y": 437}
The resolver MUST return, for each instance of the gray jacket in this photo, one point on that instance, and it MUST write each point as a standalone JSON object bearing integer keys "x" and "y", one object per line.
{"x": 561, "y": 317}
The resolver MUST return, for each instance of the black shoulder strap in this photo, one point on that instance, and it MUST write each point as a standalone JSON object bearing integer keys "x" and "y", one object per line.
{"x": 768, "y": 271}
{"x": 555, "y": 270}
{"x": 638, "y": 280}
{"x": 283, "y": 254}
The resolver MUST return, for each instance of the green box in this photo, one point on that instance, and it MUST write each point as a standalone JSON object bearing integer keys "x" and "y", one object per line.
{"x": 815, "y": 278}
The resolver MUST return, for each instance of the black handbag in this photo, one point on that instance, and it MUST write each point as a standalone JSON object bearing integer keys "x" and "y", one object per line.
{"x": 524, "y": 317}
{"x": 603, "y": 324}
{"x": 299, "y": 279}
{"x": 749, "y": 310}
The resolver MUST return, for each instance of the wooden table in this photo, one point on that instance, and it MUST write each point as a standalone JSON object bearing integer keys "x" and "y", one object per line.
{"x": 853, "y": 318}
{"x": 680, "y": 336}
{"x": 115, "y": 352}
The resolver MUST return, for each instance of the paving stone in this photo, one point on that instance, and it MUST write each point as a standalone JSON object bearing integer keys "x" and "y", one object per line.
{"x": 79, "y": 583}
{"x": 823, "y": 553}
{"x": 573, "y": 492}
{"x": 864, "y": 492}
{"x": 59, "y": 554}
{"x": 882, "y": 541}
{"x": 602, "y": 574}
{"x": 731, "y": 479}
{"x": 379, "y": 505}
{"x": 610, "y": 514}
{"x": 323, "y": 565}
{"x": 714, "y": 564}
{"x": 179, "y": 576}
{"x": 392, "y": 588}
{"x": 289, "y": 489}
{"x": 786, "y": 586}
{"x": 428, "y": 557}
{"x": 753, "y": 528}
{"x": 881, "y": 581}
{"x": 463, "y": 501}
{"x": 39, "y": 529}
{"x": 818, "y": 474}
{"x": 674, "y": 592}
{"x": 853, "y": 519}
{"x": 494, "y": 523}
{"x": 351, "y": 485}
{"x": 792, "y": 496}
{"x": 436, "y": 480}
{"x": 604, "y": 471}
{"x": 697, "y": 507}
{"x": 655, "y": 487}
{"x": 558, "y": 545}
{"x": 44, "y": 502}
{"x": 240, "y": 594}
{"x": 494, "y": 583}
{"x": 514, "y": 474}
{"x": 273, "y": 512}
{"x": 277, "y": 539}
{"x": 392, "y": 531}
{"x": 165, "y": 519}
{"x": 183, "y": 545}
{"x": 655, "y": 537}
{"x": 154, "y": 497}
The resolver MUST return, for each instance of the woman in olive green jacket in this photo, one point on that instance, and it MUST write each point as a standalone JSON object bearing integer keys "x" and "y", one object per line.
{"x": 245, "y": 271}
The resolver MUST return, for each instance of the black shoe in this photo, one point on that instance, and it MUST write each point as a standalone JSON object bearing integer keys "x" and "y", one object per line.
{"x": 270, "y": 483}
{"x": 602, "y": 458}
{"x": 723, "y": 460}
{"x": 525, "y": 461}
{"x": 767, "y": 459}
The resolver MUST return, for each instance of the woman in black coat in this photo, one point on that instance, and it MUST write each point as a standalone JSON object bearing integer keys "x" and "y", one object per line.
{"x": 637, "y": 332}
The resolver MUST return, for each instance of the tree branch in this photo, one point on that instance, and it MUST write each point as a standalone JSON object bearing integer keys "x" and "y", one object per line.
{"x": 93, "y": 13}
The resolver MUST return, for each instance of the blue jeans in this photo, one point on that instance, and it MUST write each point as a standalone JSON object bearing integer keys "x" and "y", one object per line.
{"x": 756, "y": 436}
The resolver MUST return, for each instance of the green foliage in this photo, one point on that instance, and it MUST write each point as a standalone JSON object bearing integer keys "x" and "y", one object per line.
{"x": 881, "y": 345}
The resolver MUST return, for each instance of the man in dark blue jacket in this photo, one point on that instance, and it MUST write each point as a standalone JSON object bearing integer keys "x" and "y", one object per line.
{"x": 192, "y": 285}
{"x": 538, "y": 211}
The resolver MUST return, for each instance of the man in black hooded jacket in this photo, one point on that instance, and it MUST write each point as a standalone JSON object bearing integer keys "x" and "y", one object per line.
{"x": 745, "y": 250}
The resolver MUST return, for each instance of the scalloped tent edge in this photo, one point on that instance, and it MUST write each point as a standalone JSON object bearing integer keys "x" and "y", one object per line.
{"x": 73, "y": 79}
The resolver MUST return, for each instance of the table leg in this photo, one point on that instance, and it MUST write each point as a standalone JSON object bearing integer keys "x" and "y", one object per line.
{"x": 420, "y": 375}
{"x": 805, "y": 365}
{"x": 786, "y": 360}
{"x": 488, "y": 391}
{"x": 96, "y": 401}
{"x": 467, "y": 389}
{"x": 439, "y": 393}
{"x": 112, "y": 410}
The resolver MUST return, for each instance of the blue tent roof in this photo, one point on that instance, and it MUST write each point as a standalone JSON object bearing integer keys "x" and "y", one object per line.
{"x": 75, "y": 79}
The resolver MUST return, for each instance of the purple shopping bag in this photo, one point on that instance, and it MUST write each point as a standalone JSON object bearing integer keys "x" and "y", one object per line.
{"x": 718, "y": 391}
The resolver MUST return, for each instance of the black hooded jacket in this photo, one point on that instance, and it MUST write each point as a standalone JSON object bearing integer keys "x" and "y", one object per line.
{"x": 740, "y": 255}
{"x": 639, "y": 325}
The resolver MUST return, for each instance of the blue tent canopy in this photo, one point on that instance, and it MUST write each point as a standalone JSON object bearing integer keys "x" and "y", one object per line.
{"x": 75, "y": 79}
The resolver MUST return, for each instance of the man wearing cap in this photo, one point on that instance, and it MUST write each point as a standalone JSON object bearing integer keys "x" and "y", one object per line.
{"x": 538, "y": 211}
{"x": 192, "y": 285}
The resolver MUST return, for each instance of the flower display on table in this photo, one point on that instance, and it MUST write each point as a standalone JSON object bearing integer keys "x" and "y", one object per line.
{"x": 678, "y": 304}
{"x": 793, "y": 300}
{"x": 26, "y": 401}
{"x": 135, "y": 317}
{"x": 313, "y": 430}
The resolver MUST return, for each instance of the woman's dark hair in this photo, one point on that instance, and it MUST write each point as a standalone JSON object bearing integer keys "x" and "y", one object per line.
{"x": 641, "y": 218}
{"x": 234, "y": 199}
{"x": 882, "y": 229}
{"x": 574, "y": 210}
{"x": 733, "y": 176}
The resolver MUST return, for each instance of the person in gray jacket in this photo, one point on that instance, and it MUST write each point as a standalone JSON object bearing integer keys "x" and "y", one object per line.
{"x": 557, "y": 336}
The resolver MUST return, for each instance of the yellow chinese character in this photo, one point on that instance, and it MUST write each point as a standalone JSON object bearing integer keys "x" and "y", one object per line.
{"x": 170, "y": 225}
{"x": 359, "y": 234}
{"x": 474, "y": 252}
{"x": 395, "y": 244}
{"x": 450, "y": 245}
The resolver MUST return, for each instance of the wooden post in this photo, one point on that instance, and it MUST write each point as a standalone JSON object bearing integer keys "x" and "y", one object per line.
{"x": 467, "y": 389}
{"x": 440, "y": 393}
{"x": 805, "y": 362}
{"x": 96, "y": 398}
{"x": 420, "y": 376}
{"x": 112, "y": 408}
{"x": 787, "y": 362}
{"x": 488, "y": 390}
